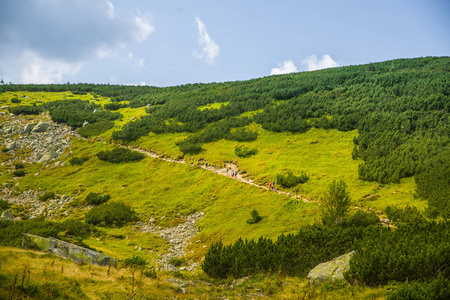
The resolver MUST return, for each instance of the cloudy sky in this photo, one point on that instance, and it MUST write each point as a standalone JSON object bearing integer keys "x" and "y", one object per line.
{"x": 165, "y": 42}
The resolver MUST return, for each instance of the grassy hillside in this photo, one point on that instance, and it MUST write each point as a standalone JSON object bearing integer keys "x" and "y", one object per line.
{"x": 382, "y": 128}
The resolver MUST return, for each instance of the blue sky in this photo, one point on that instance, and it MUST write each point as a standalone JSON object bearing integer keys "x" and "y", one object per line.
{"x": 165, "y": 43}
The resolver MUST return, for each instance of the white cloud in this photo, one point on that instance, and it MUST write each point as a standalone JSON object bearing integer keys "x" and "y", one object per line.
{"x": 312, "y": 63}
{"x": 60, "y": 37}
{"x": 209, "y": 49}
{"x": 39, "y": 70}
{"x": 287, "y": 67}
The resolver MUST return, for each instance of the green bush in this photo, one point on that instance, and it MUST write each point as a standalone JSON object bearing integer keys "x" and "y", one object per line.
{"x": 255, "y": 217}
{"x": 26, "y": 110}
{"x": 242, "y": 135}
{"x": 19, "y": 166}
{"x": 19, "y": 173}
{"x": 78, "y": 160}
{"x": 438, "y": 288}
{"x": 5, "y": 150}
{"x": 119, "y": 155}
{"x": 95, "y": 129}
{"x": 136, "y": 261}
{"x": 115, "y": 106}
{"x": 4, "y": 205}
{"x": 188, "y": 147}
{"x": 409, "y": 214}
{"x": 47, "y": 195}
{"x": 290, "y": 180}
{"x": 150, "y": 273}
{"x": 95, "y": 199}
{"x": 175, "y": 261}
{"x": 361, "y": 219}
{"x": 110, "y": 214}
{"x": 243, "y": 151}
{"x": 15, "y": 100}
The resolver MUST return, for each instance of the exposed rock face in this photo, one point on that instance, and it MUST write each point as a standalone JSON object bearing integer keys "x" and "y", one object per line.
{"x": 41, "y": 127}
{"x": 330, "y": 271}
{"x": 66, "y": 250}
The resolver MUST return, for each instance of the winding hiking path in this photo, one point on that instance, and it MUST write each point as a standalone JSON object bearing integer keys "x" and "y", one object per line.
{"x": 226, "y": 171}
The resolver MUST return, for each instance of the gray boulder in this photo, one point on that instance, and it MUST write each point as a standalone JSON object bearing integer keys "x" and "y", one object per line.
{"x": 12, "y": 145}
{"x": 41, "y": 127}
{"x": 29, "y": 127}
{"x": 330, "y": 271}
{"x": 66, "y": 250}
{"x": 7, "y": 215}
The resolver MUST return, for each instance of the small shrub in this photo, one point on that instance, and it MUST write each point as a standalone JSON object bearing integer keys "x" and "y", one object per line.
{"x": 19, "y": 166}
{"x": 110, "y": 214}
{"x": 438, "y": 288}
{"x": 242, "y": 135}
{"x": 150, "y": 273}
{"x": 360, "y": 219}
{"x": 188, "y": 147}
{"x": 95, "y": 199}
{"x": 290, "y": 180}
{"x": 15, "y": 100}
{"x": 115, "y": 106}
{"x": 5, "y": 150}
{"x": 136, "y": 261}
{"x": 409, "y": 214}
{"x": 78, "y": 161}
{"x": 243, "y": 151}
{"x": 119, "y": 155}
{"x": 95, "y": 129}
{"x": 4, "y": 205}
{"x": 26, "y": 110}
{"x": 255, "y": 217}
{"x": 47, "y": 195}
{"x": 175, "y": 261}
{"x": 19, "y": 173}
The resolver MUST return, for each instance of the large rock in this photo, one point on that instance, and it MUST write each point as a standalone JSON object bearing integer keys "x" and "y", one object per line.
{"x": 29, "y": 127}
{"x": 330, "y": 271}
{"x": 66, "y": 250}
{"x": 41, "y": 127}
{"x": 7, "y": 215}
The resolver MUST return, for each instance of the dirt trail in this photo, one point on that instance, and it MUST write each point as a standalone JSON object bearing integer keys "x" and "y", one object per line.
{"x": 226, "y": 171}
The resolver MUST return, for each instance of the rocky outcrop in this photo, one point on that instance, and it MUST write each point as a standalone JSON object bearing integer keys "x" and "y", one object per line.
{"x": 330, "y": 271}
{"x": 177, "y": 236}
{"x": 7, "y": 215}
{"x": 66, "y": 250}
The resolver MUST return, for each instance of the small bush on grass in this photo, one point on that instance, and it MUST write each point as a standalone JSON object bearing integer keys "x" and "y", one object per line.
{"x": 119, "y": 155}
{"x": 15, "y": 100}
{"x": 150, "y": 273}
{"x": 19, "y": 166}
{"x": 361, "y": 219}
{"x": 4, "y": 205}
{"x": 290, "y": 180}
{"x": 136, "y": 261}
{"x": 175, "y": 261}
{"x": 95, "y": 129}
{"x": 47, "y": 195}
{"x": 255, "y": 217}
{"x": 115, "y": 106}
{"x": 188, "y": 147}
{"x": 26, "y": 110}
{"x": 110, "y": 214}
{"x": 5, "y": 150}
{"x": 19, "y": 173}
{"x": 95, "y": 199}
{"x": 242, "y": 135}
{"x": 243, "y": 151}
{"x": 78, "y": 161}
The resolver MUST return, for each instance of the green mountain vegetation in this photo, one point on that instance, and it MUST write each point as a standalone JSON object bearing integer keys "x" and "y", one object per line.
{"x": 345, "y": 147}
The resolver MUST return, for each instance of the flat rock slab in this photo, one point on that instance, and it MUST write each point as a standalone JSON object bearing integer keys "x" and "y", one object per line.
{"x": 66, "y": 250}
{"x": 330, "y": 271}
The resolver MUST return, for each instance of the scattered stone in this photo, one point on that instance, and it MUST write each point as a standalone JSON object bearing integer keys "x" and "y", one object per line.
{"x": 28, "y": 128}
{"x": 385, "y": 222}
{"x": 11, "y": 145}
{"x": 85, "y": 123}
{"x": 330, "y": 271}
{"x": 171, "y": 268}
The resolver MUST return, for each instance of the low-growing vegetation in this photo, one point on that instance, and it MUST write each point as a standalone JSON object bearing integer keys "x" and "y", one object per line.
{"x": 243, "y": 151}
{"x": 46, "y": 196}
{"x": 119, "y": 155}
{"x": 290, "y": 180}
{"x": 95, "y": 129}
{"x": 78, "y": 161}
{"x": 96, "y": 199}
{"x": 111, "y": 214}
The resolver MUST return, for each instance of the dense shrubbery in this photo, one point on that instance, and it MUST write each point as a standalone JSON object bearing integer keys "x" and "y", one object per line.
{"x": 115, "y": 106}
{"x": 290, "y": 180}
{"x": 242, "y": 135}
{"x": 15, "y": 100}
{"x": 4, "y": 205}
{"x": 75, "y": 112}
{"x": 19, "y": 166}
{"x": 437, "y": 289}
{"x": 19, "y": 173}
{"x": 110, "y": 214}
{"x": 243, "y": 151}
{"x": 11, "y": 231}
{"x": 78, "y": 161}
{"x": 136, "y": 261}
{"x": 414, "y": 251}
{"x": 119, "y": 154}
{"x": 95, "y": 199}
{"x": 360, "y": 219}
{"x": 95, "y": 128}
{"x": 255, "y": 217}
{"x": 292, "y": 254}
{"x": 409, "y": 214}
{"x": 26, "y": 110}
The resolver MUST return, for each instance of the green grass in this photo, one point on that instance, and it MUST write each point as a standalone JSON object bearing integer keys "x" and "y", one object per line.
{"x": 213, "y": 106}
